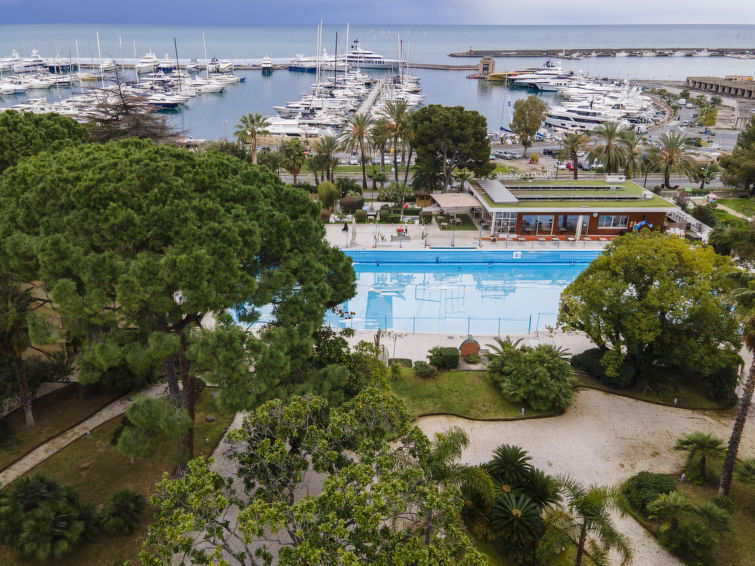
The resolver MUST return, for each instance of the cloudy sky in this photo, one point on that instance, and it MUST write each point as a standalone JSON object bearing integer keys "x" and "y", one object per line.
{"x": 404, "y": 12}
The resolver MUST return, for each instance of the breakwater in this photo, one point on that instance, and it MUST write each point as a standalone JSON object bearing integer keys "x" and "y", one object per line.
{"x": 612, "y": 52}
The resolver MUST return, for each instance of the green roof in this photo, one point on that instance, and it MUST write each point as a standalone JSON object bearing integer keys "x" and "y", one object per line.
{"x": 566, "y": 194}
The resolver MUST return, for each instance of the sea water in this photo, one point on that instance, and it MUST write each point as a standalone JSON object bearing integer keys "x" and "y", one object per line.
{"x": 214, "y": 116}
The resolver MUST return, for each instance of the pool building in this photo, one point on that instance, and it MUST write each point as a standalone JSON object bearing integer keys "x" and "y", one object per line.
{"x": 552, "y": 210}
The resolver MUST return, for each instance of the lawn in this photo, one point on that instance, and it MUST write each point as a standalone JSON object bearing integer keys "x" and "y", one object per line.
{"x": 464, "y": 393}
{"x": 466, "y": 222}
{"x": 726, "y": 219}
{"x": 497, "y": 558}
{"x": 53, "y": 413}
{"x": 97, "y": 470}
{"x": 689, "y": 395}
{"x": 743, "y": 205}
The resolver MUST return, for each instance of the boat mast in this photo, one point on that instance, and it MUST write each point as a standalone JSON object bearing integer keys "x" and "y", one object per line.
{"x": 206, "y": 60}
{"x": 178, "y": 65}
{"x": 99, "y": 54}
{"x": 136, "y": 62}
{"x": 335, "y": 63}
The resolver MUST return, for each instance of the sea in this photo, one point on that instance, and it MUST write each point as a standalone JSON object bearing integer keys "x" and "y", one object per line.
{"x": 215, "y": 116}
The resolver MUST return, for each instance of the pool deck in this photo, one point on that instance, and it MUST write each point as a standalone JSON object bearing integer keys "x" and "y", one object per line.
{"x": 387, "y": 239}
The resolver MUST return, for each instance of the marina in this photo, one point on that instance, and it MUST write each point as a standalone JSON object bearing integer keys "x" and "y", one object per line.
{"x": 610, "y": 52}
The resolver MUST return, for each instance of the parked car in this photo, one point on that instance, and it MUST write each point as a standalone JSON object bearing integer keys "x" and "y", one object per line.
{"x": 375, "y": 160}
{"x": 500, "y": 154}
{"x": 515, "y": 155}
{"x": 585, "y": 166}
{"x": 550, "y": 151}
{"x": 353, "y": 160}
{"x": 561, "y": 166}
{"x": 570, "y": 166}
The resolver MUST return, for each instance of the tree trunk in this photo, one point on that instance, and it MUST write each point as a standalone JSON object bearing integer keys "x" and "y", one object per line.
{"x": 406, "y": 163}
{"x": 24, "y": 394}
{"x": 170, "y": 372}
{"x": 736, "y": 433}
{"x": 395, "y": 157}
{"x": 364, "y": 168}
{"x": 445, "y": 172}
{"x": 575, "y": 165}
{"x": 524, "y": 150}
{"x": 581, "y": 545}
{"x": 382, "y": 159}
{"x": 188, "y": 399}
{"x": 254, "y": 149}
{"x": 428, "y": 527}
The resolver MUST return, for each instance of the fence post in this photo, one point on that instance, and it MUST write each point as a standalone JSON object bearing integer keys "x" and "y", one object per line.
{"x": 529, "y": 327}
{"x": 469, "y": 322}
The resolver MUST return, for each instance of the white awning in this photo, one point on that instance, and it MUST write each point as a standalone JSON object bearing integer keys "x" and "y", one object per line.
{"x": 456, "y": 200}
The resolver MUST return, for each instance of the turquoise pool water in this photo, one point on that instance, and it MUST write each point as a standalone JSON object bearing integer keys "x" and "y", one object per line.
{"x": 449, "y": 291}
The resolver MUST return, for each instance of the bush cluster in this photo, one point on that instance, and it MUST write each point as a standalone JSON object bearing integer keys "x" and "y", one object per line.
{"x": 347, "y": 185}
{"x": 424, "y": 370}
{"x": 644, "y": 488}
{"x": 590, "y": 362}
{"x": 361, "y": 216}
{"x": 406, "y": 362}
{"x": 352, "y": 204}
{"x": 444, "y": 358}
{"x": 43, "y": 520}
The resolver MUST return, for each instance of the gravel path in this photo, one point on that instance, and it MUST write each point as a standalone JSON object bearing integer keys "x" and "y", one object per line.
{"x": 43, "y": 452}
{"x": 602, "y": 439}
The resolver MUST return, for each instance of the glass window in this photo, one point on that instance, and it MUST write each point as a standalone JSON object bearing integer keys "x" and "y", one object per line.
{"x": 613, "y": 221}
{"x": 568, "y": 223}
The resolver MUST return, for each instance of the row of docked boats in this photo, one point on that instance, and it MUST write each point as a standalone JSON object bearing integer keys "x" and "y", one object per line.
{"x": 637, "y": 53}
{"x": 332, "y": 101}
{"x": 586, "y": 103}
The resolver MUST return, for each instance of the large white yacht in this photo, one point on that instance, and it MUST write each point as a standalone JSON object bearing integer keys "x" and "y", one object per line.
{"x": 582, "y": 119}
{"x": 364, "y": 59}
{"x": 148, "y": 63}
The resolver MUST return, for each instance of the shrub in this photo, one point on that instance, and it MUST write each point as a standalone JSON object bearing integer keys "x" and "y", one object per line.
{"x": 351, "y": 204}
{"x": 347, "y": 185}
{"x": 447, "y": 358}
{"x": 590, "y": 361}
{"x": 122, "y": 513}
{"x": 537, "y": 376}
{"x": 406, "y": 362}
{"x": 425, "y": 217}
{"x": 645, "y": 487}
{"x": 361, "y": 216}
{"x": 424, "y": 370}
{"x": 325, "y": 215}
{"x": 692, "y": 542}
{"x": 723, "y": 502}
{"x": 534, "y": 158}
{"x": 328, "y": 193}
{"x": 395, "y": 372}
{"x": 309, "y": 187}
{"x": 472, "y": 359}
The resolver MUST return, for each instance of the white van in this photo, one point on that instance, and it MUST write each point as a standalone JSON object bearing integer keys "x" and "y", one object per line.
{"x": 682, "y": 101}
{"x": 689, "y": 106}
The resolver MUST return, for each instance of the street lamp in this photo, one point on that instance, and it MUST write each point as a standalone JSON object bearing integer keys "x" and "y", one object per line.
{"x": 225, "y": 126}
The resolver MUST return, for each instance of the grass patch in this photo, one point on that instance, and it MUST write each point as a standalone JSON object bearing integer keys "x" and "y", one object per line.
{"x": 742, "y": 205}
{"x": 97, "y": 470}
{"x": 689, "y": 394}
{"x": 464, "y": 393}
{"x": 466, "y": 222}
{"x": 496, "y": 556}
{"x": 53, "y": 413}
{"x": 723, "y": 218}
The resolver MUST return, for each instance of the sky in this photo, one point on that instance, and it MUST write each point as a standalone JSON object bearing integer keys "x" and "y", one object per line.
{"x": 404, "y": 12}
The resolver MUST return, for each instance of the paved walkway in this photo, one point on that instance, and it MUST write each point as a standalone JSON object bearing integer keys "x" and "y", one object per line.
{"x": 733, "y": 212}
{"x": 43, "y": 452}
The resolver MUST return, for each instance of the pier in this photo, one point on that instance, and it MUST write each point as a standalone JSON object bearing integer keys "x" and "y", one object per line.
{"x": 605, "y": 52}
{"x": 369, "y": 102}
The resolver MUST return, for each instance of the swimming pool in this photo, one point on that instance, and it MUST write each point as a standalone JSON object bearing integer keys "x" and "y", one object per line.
{"x": 459, "y": 291}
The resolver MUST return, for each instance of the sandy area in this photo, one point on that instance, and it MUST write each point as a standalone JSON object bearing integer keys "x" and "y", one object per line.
{"x": 602, "y": 439}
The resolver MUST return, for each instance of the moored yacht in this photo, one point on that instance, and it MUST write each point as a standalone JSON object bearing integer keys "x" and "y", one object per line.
{"x": 148, "y": 63}
{"x": 364, "y": 59}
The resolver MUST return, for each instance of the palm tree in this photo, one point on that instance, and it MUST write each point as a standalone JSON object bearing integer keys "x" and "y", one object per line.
{"x": 502, "y": 346}
{"x": 589, "y": 522}
{"x": 408, "y": 142}
{"x": 701, "y": 449}
{"x": 273, "y": 160}
{"x": 673, "y": 156}
{"x": 293, "y": 156}
{"x": 541, "y": 488}
{"x": 609, "y": 149}
{"x": 744, "y": 299}
{"x": 510, "y": 466}
{"x": 746, "y": 471}
{"x": 397, "y": 115}
{"x": 670, "y": 508}
{"x": 571, "y": 145}
{"x": 517, "y": 518}
{"x": 462, "y": 176}
{"x": 441, "y": 464}
{"x": 633, "y": 144}
{"x": 249, "y": 127}
{"x": 354, "y": 136}
{"x": 316, "y": 163}
{"x": 379, "y": 136}
{"x": 327, "y": 146}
